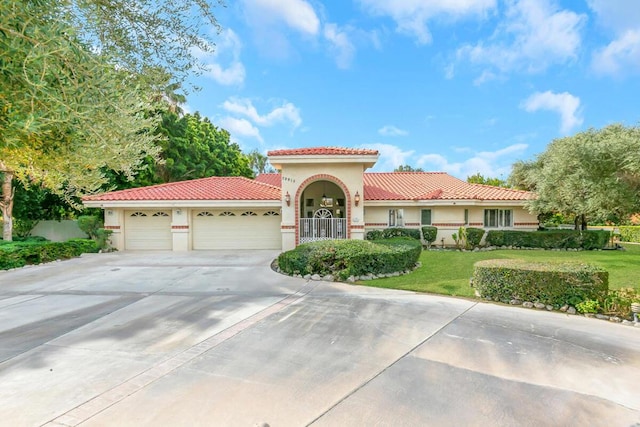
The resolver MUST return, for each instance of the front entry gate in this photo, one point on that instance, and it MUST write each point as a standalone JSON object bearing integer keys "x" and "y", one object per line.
{"x": 322, "y": 227}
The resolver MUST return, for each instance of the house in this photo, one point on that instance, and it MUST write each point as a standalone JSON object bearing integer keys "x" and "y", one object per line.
{"x": 319, "y": 193}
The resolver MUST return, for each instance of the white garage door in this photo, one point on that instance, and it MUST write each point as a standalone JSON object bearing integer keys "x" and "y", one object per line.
{"x": 146, "y": 230}
{"x": 236, "y": 230}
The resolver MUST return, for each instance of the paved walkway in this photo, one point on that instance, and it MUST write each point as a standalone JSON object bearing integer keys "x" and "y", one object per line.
{"x": 213, "y": 338}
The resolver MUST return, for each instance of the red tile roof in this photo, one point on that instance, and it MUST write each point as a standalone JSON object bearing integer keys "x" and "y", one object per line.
{"x": 212, "y": 188}
{"x": 323, "y": 151}
{"x": 377, "y": 186}
{"x": 432, "y": 185}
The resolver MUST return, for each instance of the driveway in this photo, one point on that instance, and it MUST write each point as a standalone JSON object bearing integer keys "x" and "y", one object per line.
{"x": 218, "y": 339}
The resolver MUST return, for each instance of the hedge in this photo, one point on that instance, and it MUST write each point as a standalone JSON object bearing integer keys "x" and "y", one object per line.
{"x": 429, "y": 233}
{"x": 550, "y": 239}
{"x": 553, "y": 284}
{"x": 345, "y": 258}
{"x": 474, "y": 237}
{"x": 389, "y": 233}
{"x": 630, "y": 233}
{"x": 19, "y": 254}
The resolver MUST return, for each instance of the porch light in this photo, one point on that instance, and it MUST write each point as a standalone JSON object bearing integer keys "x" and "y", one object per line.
{"x": 287, "y": 198}
{"x": 356, "y": 198}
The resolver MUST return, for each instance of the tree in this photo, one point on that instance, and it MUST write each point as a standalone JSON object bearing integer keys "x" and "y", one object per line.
{"x": 259, "y": 163}
{"x": 407, "y": 168}
{"x": 77, "y": 79}
{"x": 594, "y": 174}
{"x": 478, "y": 178}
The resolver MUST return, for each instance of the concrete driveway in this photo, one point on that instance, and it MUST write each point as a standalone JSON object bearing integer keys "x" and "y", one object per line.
{"x": 218, "y": 339}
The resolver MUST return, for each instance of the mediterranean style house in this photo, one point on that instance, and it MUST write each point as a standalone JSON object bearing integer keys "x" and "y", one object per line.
{"x": 319, "y": 193}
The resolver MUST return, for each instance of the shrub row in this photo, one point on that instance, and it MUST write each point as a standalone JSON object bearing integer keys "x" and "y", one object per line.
{"x": 19, "y": 254}
{"x": 389, "y": 233}
{"x": 345, "y": 258}
{"x": 429, "y": 233}
{"x": 553, "y": 284}
{"x": 630, "y": 233}
{"x": 550, "y": 239}
{"x": 474, "y": 236}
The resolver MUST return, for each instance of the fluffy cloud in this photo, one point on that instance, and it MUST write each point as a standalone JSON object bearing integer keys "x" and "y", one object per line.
{"x": 340, "y": 43}
{"x": 391, "y": 156}
{"x": 412, "y": 16}
{"x": 534, "y": 35}
{"x": 227, "y": 51}
{"x": 390, "y": 130}
{"x": 296, "y": 14}
{"x": 563, "y": 103}
{"x": 285, "y": 113}
{"x": 240, "y": 128}
{"x": 617, "y": 15}
{"x": 620, "y": 56}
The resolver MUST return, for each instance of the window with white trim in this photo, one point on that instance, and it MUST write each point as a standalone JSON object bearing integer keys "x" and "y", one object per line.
{"x": 498, "y": 218}
{"x": 425, "y": 217}
{"x": 396, "y": 217}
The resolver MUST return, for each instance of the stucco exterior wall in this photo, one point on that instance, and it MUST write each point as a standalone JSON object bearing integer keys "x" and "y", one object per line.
{"x": 114, "y": 221}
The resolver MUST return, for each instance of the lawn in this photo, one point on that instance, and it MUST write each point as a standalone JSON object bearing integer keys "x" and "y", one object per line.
{"x": 448, "y": 272}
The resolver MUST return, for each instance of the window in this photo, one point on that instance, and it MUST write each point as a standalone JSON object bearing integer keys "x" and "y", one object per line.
{"x": 205, "y": 213}
{"x": 425, "y": 217}
{"x": 249, "y": 213}
{"x": 138, "y": 214}
{"x": 227, "y": 213}
{"x": 498, "y": 218}
{"x": 160, "y": 214}
{"x": 466, "y": 217}
{"x": 396, "y": 217}
{"x": 271, "y": 213}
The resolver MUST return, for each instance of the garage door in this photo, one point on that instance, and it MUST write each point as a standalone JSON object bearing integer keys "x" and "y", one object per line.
{"x": 145, "y": 230}
{"x": 236, "y": 230}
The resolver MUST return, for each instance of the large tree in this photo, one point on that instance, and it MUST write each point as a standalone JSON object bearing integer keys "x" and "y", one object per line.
{"x": 259, "y": 163}
{"x": 478, "y": 178}
{"x": 77, "y": 83}
{"x": 593, "y": 174}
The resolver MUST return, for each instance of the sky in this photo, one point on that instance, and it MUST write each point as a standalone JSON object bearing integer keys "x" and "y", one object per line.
{"x": 460, "y": 86}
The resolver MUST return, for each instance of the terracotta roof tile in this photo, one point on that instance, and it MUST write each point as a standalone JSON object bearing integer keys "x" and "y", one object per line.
{"x": 322, "y": 151}
{"x": 432, "y": 185}
{"x": 274, "y": 179}
{"x": 212, "y": 188}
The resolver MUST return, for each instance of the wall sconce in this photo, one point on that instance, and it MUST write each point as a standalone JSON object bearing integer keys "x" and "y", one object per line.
{"x": 109, "y": 212}
{"x": 287, "y": 198}
{"x": 356, "y": 198}
{"x": 179, "y": 212}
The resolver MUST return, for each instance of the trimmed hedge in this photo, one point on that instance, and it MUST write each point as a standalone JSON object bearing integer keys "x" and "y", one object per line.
{"x": 19, "y": 254}
{"x": 345, "y": 258}
{"x": 474, "y": 237}
{"x": 389, "y": 233}
{"x": 550, "y": 239}
{"x": 630, "y": 233}
{"x": 553, "y": 284}
{"x": 429, "y": 233}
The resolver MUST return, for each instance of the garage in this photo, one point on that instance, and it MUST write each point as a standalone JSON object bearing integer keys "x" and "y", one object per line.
{"x": 229, "y": 229}
{"x": 148, "y": 230}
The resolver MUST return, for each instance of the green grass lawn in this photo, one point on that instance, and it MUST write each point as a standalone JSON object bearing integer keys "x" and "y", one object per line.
{"x": 449, "y": 272}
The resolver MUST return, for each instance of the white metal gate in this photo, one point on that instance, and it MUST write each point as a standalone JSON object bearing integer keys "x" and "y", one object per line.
{"x": 312, "y": 229}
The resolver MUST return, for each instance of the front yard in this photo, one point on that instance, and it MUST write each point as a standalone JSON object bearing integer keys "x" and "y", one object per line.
{"x": 448, "y": 272}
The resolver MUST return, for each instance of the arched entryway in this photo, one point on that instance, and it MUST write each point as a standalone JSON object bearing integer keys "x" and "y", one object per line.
{"x": 322, "y": 212}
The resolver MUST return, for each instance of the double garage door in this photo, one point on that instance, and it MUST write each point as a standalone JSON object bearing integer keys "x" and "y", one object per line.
{"x": 252, "y": 229}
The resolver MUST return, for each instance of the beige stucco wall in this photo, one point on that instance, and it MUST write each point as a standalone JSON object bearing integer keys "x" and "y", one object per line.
{"x": 446, "y": 218}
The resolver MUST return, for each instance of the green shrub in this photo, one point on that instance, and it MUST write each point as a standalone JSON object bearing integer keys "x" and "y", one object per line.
{"x": 344, "y": 258}
{"x": 429, "y": 233}
{"x": 474, "y": 237}
{"x": 550, "y": 239}
{"x": 618, "y": 302}
{"x": 19, "y": 254}
{"x": 554, "y": 284}
{"x": 630, "y": 233}
{"x": 588, "y": 306}
{"x": 90, "y": 224}
{"x": 389, "y": 233}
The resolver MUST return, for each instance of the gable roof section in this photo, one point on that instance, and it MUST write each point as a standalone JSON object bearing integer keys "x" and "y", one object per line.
{"x": 432, "y": 186}
{"x": 212, "y": 188}
{"x": 274, "y": 179}
{"x": 323, "y": 151}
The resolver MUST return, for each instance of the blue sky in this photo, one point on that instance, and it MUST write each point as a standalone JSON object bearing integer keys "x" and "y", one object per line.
{"x": 460, "y": 86}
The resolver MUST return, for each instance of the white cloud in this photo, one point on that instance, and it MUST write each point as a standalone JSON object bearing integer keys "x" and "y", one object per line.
{"x": 412, "y": 16}
{"x": 285, "y": 113}
{"x": 240, "y": 127}
{"x": 488, "y": 163}
{"x": 563, "y": 103}
{"x": 620, "y": 56}
{"x": 226, "y": 50}
{"x": 390, "y": 130}
{"x": 341, "y": 45}
{"x": 296, "y": 14}
{"x": 534, "y": 35}
{"x": 391, "y": 156}
{"x": 618, "y": 15}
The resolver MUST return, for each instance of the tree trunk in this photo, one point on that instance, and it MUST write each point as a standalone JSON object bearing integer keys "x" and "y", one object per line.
{"x": 576, "y": 223}
{"x": 583, "y": 218}
{"x": 6, "y": 203}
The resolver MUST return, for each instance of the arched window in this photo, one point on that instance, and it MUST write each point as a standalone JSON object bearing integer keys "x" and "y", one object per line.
{"x": 249, "y": 213}
{"x": 227, "y": 213}
{"x": 205, "y": 213}
{"x": 160, "y": 214}
{"x": 138, "y": 214}
{"x": 271, "y": 213}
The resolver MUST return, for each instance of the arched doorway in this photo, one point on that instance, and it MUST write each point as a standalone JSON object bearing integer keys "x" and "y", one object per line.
{"x": 322, "y": 212}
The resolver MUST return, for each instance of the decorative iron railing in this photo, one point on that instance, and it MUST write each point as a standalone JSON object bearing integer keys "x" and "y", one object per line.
{"x": 313, "y": 229}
